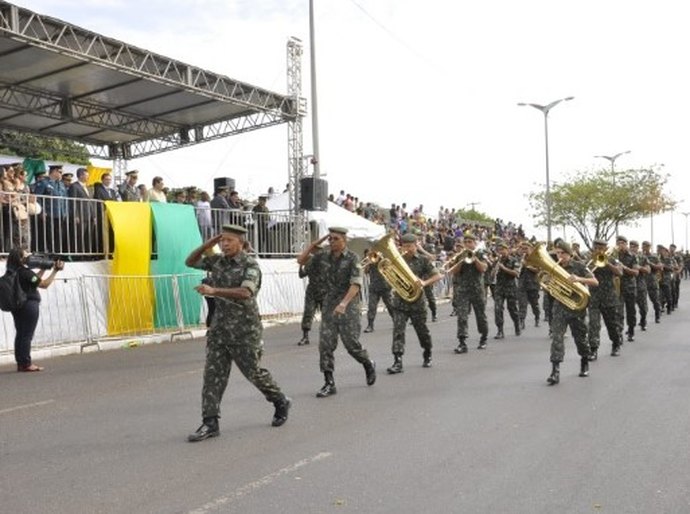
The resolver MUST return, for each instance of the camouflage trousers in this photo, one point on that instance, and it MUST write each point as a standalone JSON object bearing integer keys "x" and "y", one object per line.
{"x": 627, "y": 312}
{"x": 463, "y": 302}
{"x": 510, "y": 299}
{"x": 528, "y": 297}
{"x": 561, "y": 319}
{"x": 312, "y": 302}
{"x": 665, "y": 296}
{"x": 431, "y": 299}
{"x": 374, "y": 297}
{"x": 610, "y": 315}
{"x": 219, "y": 359}
{"x": 642, "y": 305}
{"x": 653, "y": 292}
{"x": 418, "y": 319}
{"x": 347, "y": 327}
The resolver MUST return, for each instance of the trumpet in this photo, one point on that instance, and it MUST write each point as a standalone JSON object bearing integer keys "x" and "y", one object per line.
{"x": 598, "y": 260}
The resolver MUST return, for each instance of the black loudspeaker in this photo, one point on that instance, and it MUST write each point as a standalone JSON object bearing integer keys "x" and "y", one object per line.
{"x": 224, "y": 181}
{"x": 313, "y": 194}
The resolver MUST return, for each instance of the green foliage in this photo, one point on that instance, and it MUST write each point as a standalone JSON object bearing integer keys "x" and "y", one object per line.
{"x": 474, "y": 215}
{"x": 594, "y": 202}
{"x": 43, "y": 148}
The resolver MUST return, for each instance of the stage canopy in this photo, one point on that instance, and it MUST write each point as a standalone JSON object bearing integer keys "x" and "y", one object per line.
{"x": 59, "y": 80}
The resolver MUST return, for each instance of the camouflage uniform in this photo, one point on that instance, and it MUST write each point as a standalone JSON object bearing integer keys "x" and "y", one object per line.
{"x": 506, "y": 291}
{"x": 653, "y": 286}
{"x": 641, "y": 291}
{"x": 415, "y": 312}
{"x": 339, "y": 274}
{"x": 603, "y": 303}
{"x": 563, "y": 317}
{"x": 431, "y": 300}
{"x": 626, "y": 306}
{"x": 469, "y": 293}
{"x": 235, "y": 332}
{"x": 528, "y": 294}
{"x": 666, "y": 283}
{"x": 675, "y": 283}
{"x": 314, "y": 294}
{"x": 378, "y": 290}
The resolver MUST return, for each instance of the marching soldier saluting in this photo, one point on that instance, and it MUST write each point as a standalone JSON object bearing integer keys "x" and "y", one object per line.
{"x": 469, "y": 292}
{"x": 604, "y": 301}
{"x": 341, "y": 306}
{"x": 563, "y": 317}
{"x": 415, "y": 311}
{"x": 235, "y": 332}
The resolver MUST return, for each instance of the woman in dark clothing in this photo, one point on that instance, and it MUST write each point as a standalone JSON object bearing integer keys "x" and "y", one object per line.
{"x": 26, "y": 317}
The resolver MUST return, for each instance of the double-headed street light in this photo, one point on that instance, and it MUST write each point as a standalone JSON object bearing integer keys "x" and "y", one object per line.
{"x": 545, "y": 111}
{"x": 612, "y": 160}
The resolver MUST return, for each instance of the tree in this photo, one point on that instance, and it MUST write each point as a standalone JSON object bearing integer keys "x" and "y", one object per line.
{"x": 465, "y": 215}
{"x": 595, "y": 202}
{"x": 43, "y": 148}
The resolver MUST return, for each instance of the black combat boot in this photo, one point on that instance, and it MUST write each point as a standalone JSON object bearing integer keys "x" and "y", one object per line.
{"x": 615, "y": 350}
{"x": 433, "y": 315}
{"x": 427, "y": 358}
{"x": 482, "y": 343}
{"x": 593, "y": 355}
{"x": 370, "y": 371}
{"x": 517, "y": 328}
{"x": 305, "y": 338}
{"x": 397, "y": 366}
{"x": 499, "y": 335}
{"x": 454, "y": 312}
{"x": 281, "y": 414}
{"x": 536, "y": 321}
{"x": 328, "y": 388}
{"x": 370, "y": 327}
{"x": 522, "y": 324}
{"x": 462, "y": 346}
{"x": 631, "y": 336}
{"x": 584, "y": 367}
{"x": 555, "y": 376}
{"x": 208, "y": 428}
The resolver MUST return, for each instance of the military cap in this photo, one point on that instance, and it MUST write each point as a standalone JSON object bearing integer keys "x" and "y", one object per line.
{"x": 646, "y": 243}
{"x": 132, "y": 173}
{"x": 338, "y": 230}
{"x": 661, "y": 247}
{"x": 600, "y": 242}
{"x": 234, "y": 229}
{"x": 54, "y": 167}
{"x": 564, "y": 246}
{"x": 68, "y": 175}
{"x": 469, "y": 236}
{"x": 621, "y": 239}
{"x": 409, "y": 238}
{"x": 634, "y": 243}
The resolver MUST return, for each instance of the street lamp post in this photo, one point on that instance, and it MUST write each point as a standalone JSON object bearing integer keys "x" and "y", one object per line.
{"x": 612, "y": 160}
{"x": 686, "y": 229}
{"x": 545, "y": 111}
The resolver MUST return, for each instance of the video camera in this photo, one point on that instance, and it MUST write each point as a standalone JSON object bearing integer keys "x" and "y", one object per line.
{"x": 36, "y": 261}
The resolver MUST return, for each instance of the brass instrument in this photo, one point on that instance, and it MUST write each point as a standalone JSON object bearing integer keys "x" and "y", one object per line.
{"x": 393, "y": 268}
{"x": 598, "y": 260}
{"x": 555, "y": 280}
{"x": 467, "y": 256}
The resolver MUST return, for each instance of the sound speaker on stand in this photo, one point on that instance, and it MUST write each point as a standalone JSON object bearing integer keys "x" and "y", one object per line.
{"x": 313, "y": 194}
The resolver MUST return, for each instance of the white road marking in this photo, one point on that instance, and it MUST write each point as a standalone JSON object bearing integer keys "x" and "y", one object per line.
{"x": 27, "y": 406}
{"x": 253, "y": 486}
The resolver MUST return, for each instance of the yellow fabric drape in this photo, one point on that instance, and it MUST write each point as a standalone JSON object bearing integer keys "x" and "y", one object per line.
{"x": 95, "y": 174}
{"x": 131, "y": 297}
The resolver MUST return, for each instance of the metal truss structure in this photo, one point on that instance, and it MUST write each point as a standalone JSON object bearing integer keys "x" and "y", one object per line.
{"x": 122, "y": 102}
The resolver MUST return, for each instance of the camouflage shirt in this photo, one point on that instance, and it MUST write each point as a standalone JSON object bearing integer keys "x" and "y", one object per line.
{"x": 338, "y": 273}
{"x": 652, "y": 280}
{"x": 422, "y": 269}
{"x": 667, "y": 275}
{"x": 317, "y": 278}
{"x": 578, "y": 269}
{"x": 376, "y": 280}
{"x": 236, "y": 321}
{"x": 505, "y": 281}
{"x": 528, "y": 280}
{"x": 641, "y": 281}
{"x": 468, "y": 277}
{"x": 628, "y": 282}
{"x": 605, "y": 293}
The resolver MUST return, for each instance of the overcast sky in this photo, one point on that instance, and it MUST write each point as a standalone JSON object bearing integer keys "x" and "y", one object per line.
{"x": 417, "y": 100}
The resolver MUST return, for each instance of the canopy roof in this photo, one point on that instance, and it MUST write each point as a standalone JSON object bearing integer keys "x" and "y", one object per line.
{"x": 60, "y": 80}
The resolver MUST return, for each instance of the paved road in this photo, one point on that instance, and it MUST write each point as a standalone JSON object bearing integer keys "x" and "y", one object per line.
{"x": 105, "y": 432}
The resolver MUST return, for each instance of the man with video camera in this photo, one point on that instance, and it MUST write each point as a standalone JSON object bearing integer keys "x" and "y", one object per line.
{"x": 25, "y": 315}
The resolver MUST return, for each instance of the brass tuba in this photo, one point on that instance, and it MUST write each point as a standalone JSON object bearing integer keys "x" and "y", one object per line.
{"x": 393, "y": 268}
{"x": 554, "y": 280}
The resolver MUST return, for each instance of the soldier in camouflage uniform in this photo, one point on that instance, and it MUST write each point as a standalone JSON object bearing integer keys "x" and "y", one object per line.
{"x": 528, "y": 288}
{"x": 628, "y": 287}
{"x": 508, "y": 269}
{"x": 652, "y": 278}
{"x": 341, "y": 306}
{"x": 235, "y": 332}
{"x": 641, "y": 285}
{"x": 469, "y": 292}
{"x": 678, "y": 268}
{"x": 604, "y": 302}
{"x": 313, "y": 296}
{"x": 666, "y": 278}
{"x": 562, "y": 317}
{"x": 378, "y": 290}
{"x": 415, "y": 311}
